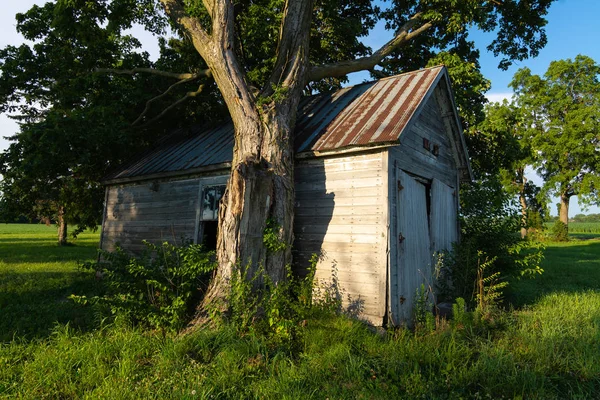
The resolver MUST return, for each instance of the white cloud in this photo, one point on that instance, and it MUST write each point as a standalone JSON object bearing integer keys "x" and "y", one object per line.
{"x": 498, "y": 97}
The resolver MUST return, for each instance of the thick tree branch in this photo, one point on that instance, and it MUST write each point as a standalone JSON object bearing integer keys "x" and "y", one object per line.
{"x": 209, "y": 5}
{"x": 292, "y": 49}
{"x": 187, "y": 96}
{"x": 176, "y": 11}
{"x": 175, "y": 75}
{"x": 160, "y": 96}
{"x": 405, "y": 34}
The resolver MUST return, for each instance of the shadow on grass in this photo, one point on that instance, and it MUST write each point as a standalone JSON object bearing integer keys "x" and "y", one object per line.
{"x": 571, "y": 267}
{"x": 32, "y": 303}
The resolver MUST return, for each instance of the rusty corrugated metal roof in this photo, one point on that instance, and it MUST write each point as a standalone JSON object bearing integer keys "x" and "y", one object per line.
{"x": 363, "y": 115}
{"x": 371, "y": 113}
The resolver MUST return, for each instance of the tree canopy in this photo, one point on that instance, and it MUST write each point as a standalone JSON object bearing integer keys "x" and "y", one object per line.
{"x": 75, "y": 124}
{"x": 562, "y": 113}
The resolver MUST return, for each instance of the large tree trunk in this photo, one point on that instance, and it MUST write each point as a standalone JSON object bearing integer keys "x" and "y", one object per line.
{"x": 260, "y": 191}
{"x": 62, "y": 227}
{"x": 564, "y": 209}
{"x": 523, "y": 201}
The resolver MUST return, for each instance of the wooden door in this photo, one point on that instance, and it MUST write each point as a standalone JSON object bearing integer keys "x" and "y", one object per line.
{"x": 413, "y": 244}
{"x": 444, "y": 218}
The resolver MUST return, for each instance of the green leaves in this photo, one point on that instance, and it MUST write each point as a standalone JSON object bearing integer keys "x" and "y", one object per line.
{"x": 562, "y": 115}
{"x": 155, "y": 289}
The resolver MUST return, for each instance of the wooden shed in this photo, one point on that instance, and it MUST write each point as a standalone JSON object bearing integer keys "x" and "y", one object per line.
{"x": 377, "y": 172}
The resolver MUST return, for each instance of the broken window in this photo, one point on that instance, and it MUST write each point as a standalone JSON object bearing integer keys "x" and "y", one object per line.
{"x": 211, "y": 196}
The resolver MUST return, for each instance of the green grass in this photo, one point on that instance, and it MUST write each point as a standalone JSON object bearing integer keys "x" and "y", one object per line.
{"x": 570, "y": 267}
{"x": 547, "y": 349}
{"x": 36, "y": 276}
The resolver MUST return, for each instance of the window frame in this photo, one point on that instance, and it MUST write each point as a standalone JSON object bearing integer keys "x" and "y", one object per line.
{"x": 202, "y": 184}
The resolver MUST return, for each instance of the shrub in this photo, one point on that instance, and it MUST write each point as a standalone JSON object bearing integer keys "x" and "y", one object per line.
{"x": 560, "y": 231}
{"x": 490, "y": 224}
{"x": 277, "y": 311}
{"x": 157, "y": 289}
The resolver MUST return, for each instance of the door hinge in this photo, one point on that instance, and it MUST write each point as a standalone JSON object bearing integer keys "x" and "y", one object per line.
{"x": 400, "y": 187}
{"x": 401, "y": 238}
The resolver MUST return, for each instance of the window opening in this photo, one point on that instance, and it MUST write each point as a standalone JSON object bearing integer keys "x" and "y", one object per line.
{"x": 211, "y": 196}
{"x": 209, "y": 235}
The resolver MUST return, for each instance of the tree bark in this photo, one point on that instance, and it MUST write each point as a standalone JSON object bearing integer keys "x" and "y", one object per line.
{"x": 62, "y": 227}
{"x": 564, "y": 209}
{"x": 260, "y": 190}
{"x": 523, "y": 201}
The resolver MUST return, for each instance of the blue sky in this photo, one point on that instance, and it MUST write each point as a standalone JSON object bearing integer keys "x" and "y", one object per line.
{"x": 573, "y": 28}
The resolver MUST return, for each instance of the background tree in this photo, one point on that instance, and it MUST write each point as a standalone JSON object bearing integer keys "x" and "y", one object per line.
{"x": 562, "y": 112}
{"x": 508, "y": 152}
{"x": 263, "y": 55}
{"x": 76, "y": 125}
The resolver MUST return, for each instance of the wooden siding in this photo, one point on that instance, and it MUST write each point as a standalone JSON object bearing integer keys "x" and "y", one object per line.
{"x": 412, "y": 157}
{"x": 438, "y": 177}
{"x": 153, "y": 211}
{"x": 341, "y": 214}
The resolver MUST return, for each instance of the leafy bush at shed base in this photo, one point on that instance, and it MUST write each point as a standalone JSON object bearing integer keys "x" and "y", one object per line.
{"x": 278, "y": 311}
{"x": 159, "y": 288}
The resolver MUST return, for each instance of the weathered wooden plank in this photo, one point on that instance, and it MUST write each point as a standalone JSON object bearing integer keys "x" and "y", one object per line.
{"x": 319, "y": 176}
{"x": 152, "y": 189}
{"x": 151, "y": 197}
{"x": 156, "y": 205}
{"x": 385, "y": 237}
{"x": 309, "y": 219}
{"x": 342, "y": 194}
{"x": 333, "y": 210}
{"x": 141, "y": 230}
{"x": 149, "y": 222}
{"x": 162, "y": 213}
{"x": 338, "y": 237}
{"x": 444, "y": 219}
{"x": 393, "y": 279}
{"x": 323, "y": 228}
{"x": 414, "y": 252}
{"x": 330, "y": 200}
{"x": 345, "y": 261}
{"x": 147, "y": 230}
{"x": 346, "y": 184}
{"x": 355, "y": 276}
{"x": 317, "y": 247}
{"x": 347, "y": 162}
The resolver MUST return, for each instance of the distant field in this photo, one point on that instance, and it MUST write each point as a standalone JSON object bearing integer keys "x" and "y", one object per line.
{"x": 584, "y": 227}
{"x": 568, "y": 268}
{"x": 580, "y": 227}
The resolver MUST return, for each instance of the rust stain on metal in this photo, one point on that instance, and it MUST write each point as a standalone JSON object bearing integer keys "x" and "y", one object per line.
{"x": 380, "y": 114}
